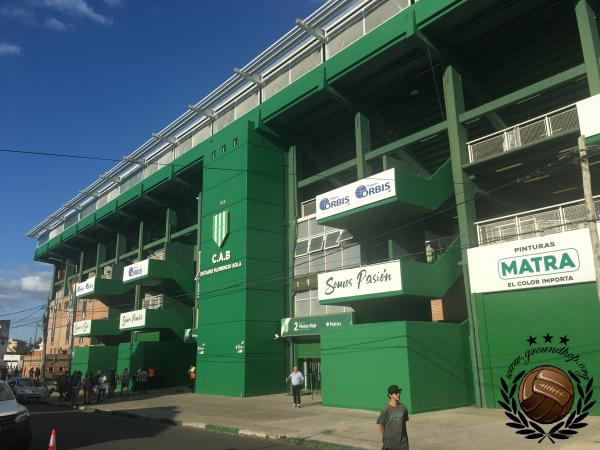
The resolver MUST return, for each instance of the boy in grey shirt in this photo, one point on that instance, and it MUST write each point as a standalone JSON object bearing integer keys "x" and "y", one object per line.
{"x": 392, "y": 422}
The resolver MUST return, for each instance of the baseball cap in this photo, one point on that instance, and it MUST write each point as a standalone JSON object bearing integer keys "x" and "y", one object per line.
{"x": 394, "y": 389}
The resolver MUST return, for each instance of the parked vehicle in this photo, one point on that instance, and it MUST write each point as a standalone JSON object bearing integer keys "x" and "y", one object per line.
{"x": 15, "y": 431}
{"x": 26, "y": 389}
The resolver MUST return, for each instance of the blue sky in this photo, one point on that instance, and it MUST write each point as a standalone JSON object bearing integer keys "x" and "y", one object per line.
{"x": 97, "y": 77}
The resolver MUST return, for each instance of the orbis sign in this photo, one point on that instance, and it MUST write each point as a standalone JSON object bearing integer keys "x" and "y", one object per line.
{"x": 85, "y": 287}
{"x": 365, "y": 280}
{"x": 82, "y": 327}
{"x": 557, "y": 259}
{"x": 136, "y": 270}
{"x": 132, "y": 319}
{"x": 360, "y": 193}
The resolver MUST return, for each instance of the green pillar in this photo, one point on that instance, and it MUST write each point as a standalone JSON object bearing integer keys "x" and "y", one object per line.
{"x": 465, "y": 208}
{"x": 362, "y": 132}
{"x": 292, "y": 219}
{"x": 198, "y": 241}
{"x": 120, "y": 247}
{"x": 69, "y": 271}
{"x": 171, "y": 224}
{"x": 590, "y": 44}
{"x": 100, "y": 257}
{"x": 140, "y": 253}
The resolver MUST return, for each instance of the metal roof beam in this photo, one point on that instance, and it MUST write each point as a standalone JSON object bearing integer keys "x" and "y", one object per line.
{"x": 314, "y": 31}
{"x": 210, "y": 113}
{"x": 251, "y": 77}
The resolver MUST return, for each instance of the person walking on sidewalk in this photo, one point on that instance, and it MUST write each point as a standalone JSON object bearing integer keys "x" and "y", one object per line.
{"x": 192, "y": 378}
{"x": 125, "y": 382}
{"x": 75, "y": 382}
{"x": 297, "y": 382}
{"x": 88, "y": 388}
{"x": 142, "y": 380}
{"x": 392, "y": 421}
{"x": 102, "y": 386}
{"x": 112, "y": 382}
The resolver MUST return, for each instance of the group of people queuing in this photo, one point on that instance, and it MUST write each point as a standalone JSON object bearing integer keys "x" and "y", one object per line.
{"x": 100, "y": 386}
{"x": 6, "y": 373}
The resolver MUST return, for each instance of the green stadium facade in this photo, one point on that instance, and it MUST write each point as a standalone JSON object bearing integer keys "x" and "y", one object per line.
{"x": 380, "y": 156}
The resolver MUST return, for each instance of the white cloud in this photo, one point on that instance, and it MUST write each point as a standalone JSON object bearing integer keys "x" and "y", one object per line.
{"x": 18, "y": 13}
{"x": 55, "y": 24}
{"x": 114, "y": 3}
{"x": 78, "y": 8}
{"x": 9, "y": 49}
{"x": 22, "y": 285}
{"x": 36, "y": 283}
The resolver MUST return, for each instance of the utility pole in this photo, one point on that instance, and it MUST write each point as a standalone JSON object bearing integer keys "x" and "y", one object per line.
{"x": 590, "y": 209}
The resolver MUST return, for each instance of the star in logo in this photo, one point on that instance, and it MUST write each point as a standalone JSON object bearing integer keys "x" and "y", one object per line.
{"x": 531, "y": 340}
{"x": 548, "y": 338}
{"x": 564, "y": 340}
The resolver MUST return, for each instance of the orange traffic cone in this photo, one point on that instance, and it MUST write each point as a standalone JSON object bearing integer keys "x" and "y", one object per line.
{"x": 52, "y": 444}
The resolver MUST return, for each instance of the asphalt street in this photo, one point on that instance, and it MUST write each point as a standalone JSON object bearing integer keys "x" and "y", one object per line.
{"x": 85, "y": 430}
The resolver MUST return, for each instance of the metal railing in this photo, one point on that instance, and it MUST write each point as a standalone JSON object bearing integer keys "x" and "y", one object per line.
{"x": 529, "y": 132}
{"x": 296, "y": 53}
{"x": 537, "y": 222}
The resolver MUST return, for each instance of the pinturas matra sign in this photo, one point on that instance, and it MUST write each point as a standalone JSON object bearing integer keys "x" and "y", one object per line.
{"x": 360, "y": 193}
{"x": 358, "y": 281}
{"x": 556, "y": 259}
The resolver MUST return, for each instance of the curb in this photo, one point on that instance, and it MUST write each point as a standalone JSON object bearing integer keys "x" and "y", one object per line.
{"x": 294, "y": 440}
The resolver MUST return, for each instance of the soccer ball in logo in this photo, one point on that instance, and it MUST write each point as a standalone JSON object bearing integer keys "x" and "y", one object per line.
{"x": 546, "y": 394}
{"x": 324, "y": 204}
{"x": 361, "y": 191}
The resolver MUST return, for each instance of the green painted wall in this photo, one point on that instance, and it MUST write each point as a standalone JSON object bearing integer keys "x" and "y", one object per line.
{"x": 307, "y": 350}
{"x": 440, "y": 365}
{"x": 91, "y": 359}
{"x": 507, "y": 319}
{"x": 171, "y": 358}
{"x": 239, "y": 310}
{"x": 428, "y": 360}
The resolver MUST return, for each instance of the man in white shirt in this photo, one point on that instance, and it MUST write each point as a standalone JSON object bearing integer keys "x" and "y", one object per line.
{"x": 297, "y": 382}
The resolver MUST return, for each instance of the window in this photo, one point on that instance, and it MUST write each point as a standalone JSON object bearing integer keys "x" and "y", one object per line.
{"x": 306, "y": 304}
{"x": 321, "y": 248}
{"x": 223, "y": 148}
{"x": 316, "y": 244}
{"x": 301, "y": 248}
{"x": 213, "y": 155}
{"x": 331, "y": 239}
{"x": 235, "y": 142}
{"x": 51, "y": 369}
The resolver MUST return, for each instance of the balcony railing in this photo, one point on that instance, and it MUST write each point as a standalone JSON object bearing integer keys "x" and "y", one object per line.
{"x": 342, "y": 21}
{"x": 529, "y": 132}
{"x": 538, "y": 222}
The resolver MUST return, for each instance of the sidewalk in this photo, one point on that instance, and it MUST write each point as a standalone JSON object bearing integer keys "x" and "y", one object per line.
{"x": 273, "y": 417}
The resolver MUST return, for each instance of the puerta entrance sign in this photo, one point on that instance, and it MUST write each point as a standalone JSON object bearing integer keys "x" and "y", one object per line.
{"x": 310, "y": 326}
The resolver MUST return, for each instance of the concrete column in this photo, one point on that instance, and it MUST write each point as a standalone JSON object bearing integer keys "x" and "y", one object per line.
{"x": 590, "y": 43}
{"x": 362, "y": 133}
{"x": 465, "y": 208}
{"x": 292, "y": 218}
